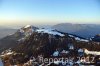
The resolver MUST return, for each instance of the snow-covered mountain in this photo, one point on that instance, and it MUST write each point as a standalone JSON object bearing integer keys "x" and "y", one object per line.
{"x": 48, "y": 43}
{"x": 27, "y": 30}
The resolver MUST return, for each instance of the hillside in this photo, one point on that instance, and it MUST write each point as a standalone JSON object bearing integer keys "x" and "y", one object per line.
{"x": 49, "y": 43}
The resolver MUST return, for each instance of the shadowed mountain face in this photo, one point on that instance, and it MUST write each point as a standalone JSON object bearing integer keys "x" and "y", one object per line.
{"x": 20, "y": 35}
{"x": 31, "y": 42}
{"x": 12, "y": 40}
{"x": 46, "y": 43}
{"x": 96, "y": 38}
{"x": 83, "y": 30}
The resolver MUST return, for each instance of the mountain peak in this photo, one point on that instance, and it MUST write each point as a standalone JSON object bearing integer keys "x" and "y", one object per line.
{"x": 27, "y": 26}
{"x": 28, "y": 29}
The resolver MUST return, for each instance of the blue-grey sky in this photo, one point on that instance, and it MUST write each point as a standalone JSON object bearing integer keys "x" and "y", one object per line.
{"x": 21, "y": 12}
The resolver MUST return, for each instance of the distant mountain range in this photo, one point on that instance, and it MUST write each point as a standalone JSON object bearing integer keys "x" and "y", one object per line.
{"x": 6, "y": 31}
{"x": 83, "y": 30}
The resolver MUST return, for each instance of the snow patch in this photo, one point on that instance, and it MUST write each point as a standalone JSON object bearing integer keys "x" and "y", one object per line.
{"x": 7, "y": 52}
{"x": 64, "y": 51}
{"x": 49, "y": 31}
{"x": 27, "y": 26}
{"x": 92, "y": 52}
{"x": 80, "y": 50}
{"x": 79, "y": 39}
{"x": 56, "y": 53}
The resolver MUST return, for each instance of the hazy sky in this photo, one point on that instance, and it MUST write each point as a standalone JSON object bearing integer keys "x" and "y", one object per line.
{"x": 21, "y": 12}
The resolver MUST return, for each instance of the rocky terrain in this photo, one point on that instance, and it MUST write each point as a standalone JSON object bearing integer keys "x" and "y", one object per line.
{"x": 13, "y": 39}
{"x": 50, "y": 43}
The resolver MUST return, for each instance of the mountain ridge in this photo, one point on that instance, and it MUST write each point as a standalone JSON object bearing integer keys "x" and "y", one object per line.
{"x": 48, "y": 43}
{"x": 83, "y": 30}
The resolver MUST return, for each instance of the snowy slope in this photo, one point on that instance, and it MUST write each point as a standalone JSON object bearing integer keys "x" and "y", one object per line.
{"x": 54, "y": 32}
{"x": 27, "y": 26}
{"x": 79, "y": 39}
{"x": 92, "y": 52}
{"x": 50, "y": 31}
{"x": 28, "y": 30}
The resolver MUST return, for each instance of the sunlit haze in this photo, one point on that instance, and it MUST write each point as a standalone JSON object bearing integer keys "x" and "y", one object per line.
{"x": 48, "y": 12}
